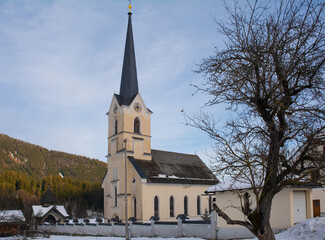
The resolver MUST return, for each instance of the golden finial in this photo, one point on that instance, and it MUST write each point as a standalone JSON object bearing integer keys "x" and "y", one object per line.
{"x": 130, "y": 6}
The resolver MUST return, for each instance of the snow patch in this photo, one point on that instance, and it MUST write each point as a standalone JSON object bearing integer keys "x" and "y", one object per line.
{"x": 11, "y": 216}
{"x": 173, "y": 176}
{"x": 311, "y": 229}
{"x": 228, "y": 185}
{"x": 162, "y": 175}
{"x": 61, "y": 237}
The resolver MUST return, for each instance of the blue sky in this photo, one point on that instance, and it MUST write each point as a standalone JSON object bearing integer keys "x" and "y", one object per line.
{"x": 61, "y": 62}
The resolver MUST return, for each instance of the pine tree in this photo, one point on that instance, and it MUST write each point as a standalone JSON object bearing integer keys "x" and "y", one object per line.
{"x": 206, "y": 215}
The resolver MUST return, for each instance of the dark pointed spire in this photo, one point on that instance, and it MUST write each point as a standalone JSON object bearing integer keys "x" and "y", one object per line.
{"x": 48, "y": 198}
{"x": 129, "y": 80}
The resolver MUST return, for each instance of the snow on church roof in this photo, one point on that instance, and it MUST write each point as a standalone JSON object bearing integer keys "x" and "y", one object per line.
{"x": 40, "y": 211}
{"x": 171, "y": 167}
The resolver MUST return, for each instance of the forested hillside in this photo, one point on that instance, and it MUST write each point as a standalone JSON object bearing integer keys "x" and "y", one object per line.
{"x": 27, "y": 171}
{"x": 39, "y": 162}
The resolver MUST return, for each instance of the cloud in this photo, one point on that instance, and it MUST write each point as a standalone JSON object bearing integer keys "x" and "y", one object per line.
{"x": 61, "y": 64}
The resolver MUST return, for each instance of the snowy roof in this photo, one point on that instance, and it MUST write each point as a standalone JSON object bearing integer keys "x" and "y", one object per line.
{"x": 228, "y": 186}
{"x": 171, "y": 167}
{"x": 40, "y": 211}
{"x": 11, "y": 216}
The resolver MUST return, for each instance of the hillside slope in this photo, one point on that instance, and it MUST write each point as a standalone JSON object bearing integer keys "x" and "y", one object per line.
{"x": 39, "y": 162}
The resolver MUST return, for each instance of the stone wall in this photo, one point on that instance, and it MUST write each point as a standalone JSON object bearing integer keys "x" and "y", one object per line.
{"x": 181, "y": 228}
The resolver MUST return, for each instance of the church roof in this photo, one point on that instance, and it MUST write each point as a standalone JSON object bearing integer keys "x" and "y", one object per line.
{"x": 171, "y": 167}
{"x": 129, "y": 80}
{"x": 40, "y": 211}
{"x": 122, "y": 101}
{"x": 48, "y": 198}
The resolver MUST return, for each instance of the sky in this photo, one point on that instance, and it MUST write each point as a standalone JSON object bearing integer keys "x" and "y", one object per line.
{"x": 61, "y": 63}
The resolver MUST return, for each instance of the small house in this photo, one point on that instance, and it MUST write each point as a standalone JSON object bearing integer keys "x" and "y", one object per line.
{"x": 49, "y": 211}
{"x": 291, "y": 205}
{"x": 10, "y": 222}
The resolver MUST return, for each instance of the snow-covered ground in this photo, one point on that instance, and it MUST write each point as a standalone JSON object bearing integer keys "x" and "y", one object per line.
{"x": 311, "y": 229}
{"x": 53, "y": 237}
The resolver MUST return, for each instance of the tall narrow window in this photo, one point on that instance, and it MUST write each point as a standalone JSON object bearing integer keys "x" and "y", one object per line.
{"x": 115, "y": 196}
{"x": 136, "y": 125}
{"x": 171, "y": 206}
{"x": 198, "y": 205}
{"x": 186, "y": 205}
{"x": 115, "y": 127}
{"x": 210, "y": 203}
{"x": 135, "y": 207}
{"x": 156, "y": 206}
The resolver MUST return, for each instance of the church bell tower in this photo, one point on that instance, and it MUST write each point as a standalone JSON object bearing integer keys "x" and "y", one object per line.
{"x": 128, "y": 131}
{"x": 128, "y": 116}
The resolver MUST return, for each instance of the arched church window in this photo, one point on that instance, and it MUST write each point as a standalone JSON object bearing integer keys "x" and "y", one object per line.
{"x": 198, "y": 205}
{"x": 136, "y": 125}
{"x": 156, "y": 206}
{"x": 115, "y": 127}
{"x": 115, "y": 196}
{"x": 171, "y": 206}
{"x": 186, "y": 205}
{"x": 135, "y": 207}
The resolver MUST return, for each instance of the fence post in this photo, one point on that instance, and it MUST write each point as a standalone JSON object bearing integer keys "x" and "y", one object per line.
{"x": 180, "y": 227}
{"x": 113, "y": 228}
{"x": 213, "y": 225}
{"x": 131, "y": 229}
{"x": 153, "y": 228}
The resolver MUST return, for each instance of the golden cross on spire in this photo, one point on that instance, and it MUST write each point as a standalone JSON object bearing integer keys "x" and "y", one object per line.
{"x": 130, "y": 6}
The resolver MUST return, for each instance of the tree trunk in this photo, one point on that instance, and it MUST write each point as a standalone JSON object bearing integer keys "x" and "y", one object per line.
{"x": 261, "y": 222}
{"x": 266, "y": 233}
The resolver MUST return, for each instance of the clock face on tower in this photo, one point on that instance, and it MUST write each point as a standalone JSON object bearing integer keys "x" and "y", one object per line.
{"x": 137, "y": 107}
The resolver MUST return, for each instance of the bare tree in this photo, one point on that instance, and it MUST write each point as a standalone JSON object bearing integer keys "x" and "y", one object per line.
{"x": 270, "y": 75}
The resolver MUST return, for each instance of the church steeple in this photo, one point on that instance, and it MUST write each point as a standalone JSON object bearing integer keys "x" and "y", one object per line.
{"x": 129, "y": 80}
{"x": 128, "y": 116}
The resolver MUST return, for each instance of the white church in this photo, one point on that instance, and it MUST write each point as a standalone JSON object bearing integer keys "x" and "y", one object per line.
{"x": 158, "y": 183}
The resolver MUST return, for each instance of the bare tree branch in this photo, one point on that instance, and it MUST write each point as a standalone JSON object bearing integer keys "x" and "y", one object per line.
{"x": 271, "y": 76}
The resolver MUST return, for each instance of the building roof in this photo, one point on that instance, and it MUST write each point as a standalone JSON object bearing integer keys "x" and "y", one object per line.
{"x": 40, "y": 211}
{"x": 48, "y": 198}
{"x": 231, "y": 185}
{"x": 11, "y": 216}
{"x": 171, "y": 167}
{"x": 121, "y": 101}
{"x": 129, "y": 80}
{"x": 228, "y": 185}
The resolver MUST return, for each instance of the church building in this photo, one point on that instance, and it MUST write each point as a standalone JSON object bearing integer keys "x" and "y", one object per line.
{"x": 158, "y": 183}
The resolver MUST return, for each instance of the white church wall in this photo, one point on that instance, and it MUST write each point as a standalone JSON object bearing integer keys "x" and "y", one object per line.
{"x": 178, "y": 191}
